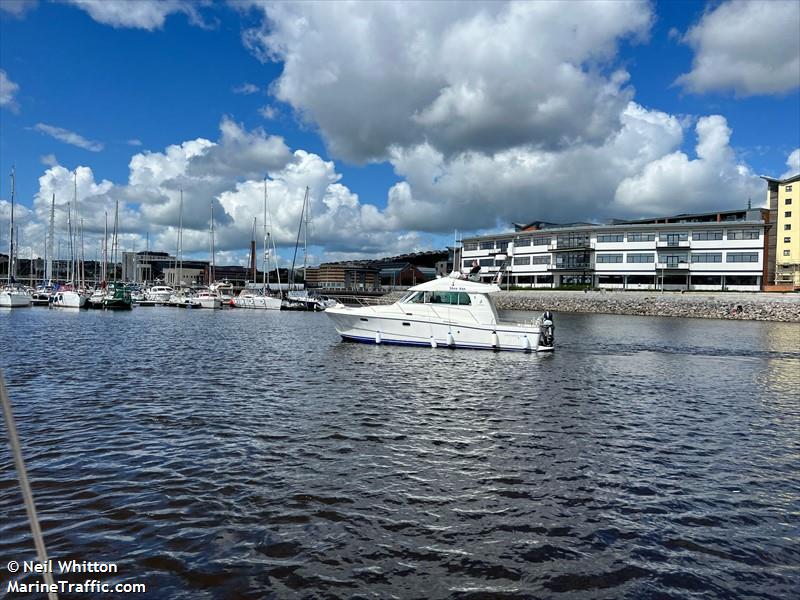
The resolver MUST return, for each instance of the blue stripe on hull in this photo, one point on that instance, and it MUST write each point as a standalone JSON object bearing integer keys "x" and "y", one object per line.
{"x": 371, "y": 340}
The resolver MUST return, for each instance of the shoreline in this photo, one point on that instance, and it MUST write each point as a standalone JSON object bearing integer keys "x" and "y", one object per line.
{"x": 726, "y": 305}
{"x": 742, "y": 306}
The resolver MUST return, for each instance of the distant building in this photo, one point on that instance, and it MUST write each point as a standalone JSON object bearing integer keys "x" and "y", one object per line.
{"x": 350, "y": 276}
{"x": 783, "y": 199}
{"x": 704, "y": 251}
{"x": 145, "y": 266}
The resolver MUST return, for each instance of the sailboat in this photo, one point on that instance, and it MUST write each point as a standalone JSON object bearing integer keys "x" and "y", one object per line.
{"x": 42, "y": 294}
{"x": 12, "y": 295}
{"x": 248, "y": 299}
{"x": 298, "y": 299}
{"x": 73, "y": 297}
{"x": 116, "y": 297}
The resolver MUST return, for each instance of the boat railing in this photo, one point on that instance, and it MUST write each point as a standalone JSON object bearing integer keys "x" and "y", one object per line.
{"x": 363, "y": 301}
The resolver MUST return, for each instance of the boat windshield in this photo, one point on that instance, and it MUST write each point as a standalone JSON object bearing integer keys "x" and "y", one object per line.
{"x": 453, "y": 298}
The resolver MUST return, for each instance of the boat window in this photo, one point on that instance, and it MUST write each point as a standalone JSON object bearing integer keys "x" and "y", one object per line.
{"x": 456, "y": 298}
{"x": 415, "y": 297}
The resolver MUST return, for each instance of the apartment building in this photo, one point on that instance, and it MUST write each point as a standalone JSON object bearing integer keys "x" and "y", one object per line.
{"x": 783, "y": 199}
{"x": 706, "y": 251}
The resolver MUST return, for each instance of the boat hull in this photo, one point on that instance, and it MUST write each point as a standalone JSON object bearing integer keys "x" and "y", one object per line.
{"x": 69, "y": 300}
{"x": 14, "y": 300}
{"x": 357, "y": 326}
{"x": 213, "y": 303}
{"x": 257, "y": 302}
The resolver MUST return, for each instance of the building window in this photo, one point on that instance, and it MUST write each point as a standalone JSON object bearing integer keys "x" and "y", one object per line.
{"x": 573, "y": 240}
{"x": 702, "y": 236}
{"x": 742, "y": 257}
{"x": 520, "y": 242}
{"x": 787, "y": 240}
{"x": 708, "y": 257}
{"x": 788, "y": 201}
{"x": 640, "y": 258}
{"x": 486, "y": 262}
{"x": 743, "y": 234}
{"x": 641, "y": 237}
{"x": 487, "y": 245}
{"x": 788, "y": 188}
{"x": 676, "y": 236}
{"x": 467, "y": 264}
{"x": 787, "y": 227}
{"x": 610, "y": 237}
{"x": 541, "y": 240}
{"x": 706, "y": 280}
{"x": 540, "y": 260}
{"x": 608, "y": 258}
{"x": 499, "y": 262}
{"x": 787, "y": 252}
{"x": 573, "y": 260}
{"x": 787, "y": 214}
{"x": 522, "y": 260}
{"x": 470, "y": 246}
{"x": 502, "y": 244}
{"x": 741, "y": 280}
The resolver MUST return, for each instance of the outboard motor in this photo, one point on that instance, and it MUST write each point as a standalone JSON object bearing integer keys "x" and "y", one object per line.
{"x": 547, "y": 330}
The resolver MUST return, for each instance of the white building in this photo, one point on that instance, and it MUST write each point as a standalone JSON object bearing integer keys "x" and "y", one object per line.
{"x": 710, "y": 251}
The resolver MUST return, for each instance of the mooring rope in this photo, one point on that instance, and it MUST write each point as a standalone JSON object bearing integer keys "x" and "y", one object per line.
{"x": 27, "y": 494}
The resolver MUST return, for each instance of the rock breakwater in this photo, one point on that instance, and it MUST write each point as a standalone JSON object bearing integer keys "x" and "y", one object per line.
{"x": 754, "y": 307}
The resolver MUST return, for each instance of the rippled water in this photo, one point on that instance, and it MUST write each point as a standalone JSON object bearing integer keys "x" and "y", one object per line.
{"x": 238, "y": 454}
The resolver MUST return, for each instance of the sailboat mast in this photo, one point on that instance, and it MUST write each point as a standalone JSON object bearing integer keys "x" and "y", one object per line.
{"x": 253, "y": 250}
{"x": 212, "y": 277}
{"x": 104, "y": 274}
{"x": 83, "y": 262}
{"x": 180, "y": 242}
{"x": 115, "y": 241}
{"x": 266, "y": 242}
{"x": 307, "y": 206}
{"x": 274, "y": 248}
{"x": 51, "y": 240}
{"x": 11, "y": 229}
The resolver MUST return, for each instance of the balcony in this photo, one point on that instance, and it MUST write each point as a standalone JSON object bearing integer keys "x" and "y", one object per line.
{"x": 673, "y": 244}
{"x": 555, "y": 247}
{"x": 672, "y": 266}
{"x": 573, "y": 267}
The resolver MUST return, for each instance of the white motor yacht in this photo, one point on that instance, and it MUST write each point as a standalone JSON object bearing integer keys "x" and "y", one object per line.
{"x": 449, "y": 312}
{"x": 209, "y": 299}
{"x": 224, "y": 289}
{"x": 14, "y": 297}
{"x": 159, "y": 293}
{"x": 250, "y": 300}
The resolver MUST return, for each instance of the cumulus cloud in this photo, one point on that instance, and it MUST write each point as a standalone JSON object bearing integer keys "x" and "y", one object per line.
{"x": 230, "y": 174}
{"x": 749, "y": 47}
{"x": 68, "y": 137}
{"x": 8, "y": 91}
{"x": 676, "y": 183}
{"x": 17, "y": 8}
{"x": 480, "y": 76}
{"x": 49, "y": 160}
{"x": 793, "y": 162}
{"x": 141, "y": 14}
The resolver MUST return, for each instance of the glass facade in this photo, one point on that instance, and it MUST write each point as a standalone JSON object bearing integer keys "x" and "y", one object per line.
{"x": 572, "y": 240}
{"x": 573, "y": 260}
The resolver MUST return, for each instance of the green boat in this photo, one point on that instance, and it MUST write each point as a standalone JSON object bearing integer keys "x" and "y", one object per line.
{"x": 117, "y": 297}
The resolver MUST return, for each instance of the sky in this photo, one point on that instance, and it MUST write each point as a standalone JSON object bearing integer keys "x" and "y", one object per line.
{"x": 408, "y": 122}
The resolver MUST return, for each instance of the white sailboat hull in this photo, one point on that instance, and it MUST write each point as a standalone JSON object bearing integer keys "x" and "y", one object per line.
{"x": 69, "y": 300}
{"x": 14, "y": 299}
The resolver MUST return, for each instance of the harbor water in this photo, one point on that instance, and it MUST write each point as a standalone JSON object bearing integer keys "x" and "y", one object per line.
{"x": 252, "y": 454}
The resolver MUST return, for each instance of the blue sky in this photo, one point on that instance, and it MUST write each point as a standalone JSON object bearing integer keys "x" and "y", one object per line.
{"x": 407, "y": 121}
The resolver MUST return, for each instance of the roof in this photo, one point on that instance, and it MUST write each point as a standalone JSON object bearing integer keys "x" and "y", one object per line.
{"x": 790, "y": 179}
{"x": 451, "y": 284}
